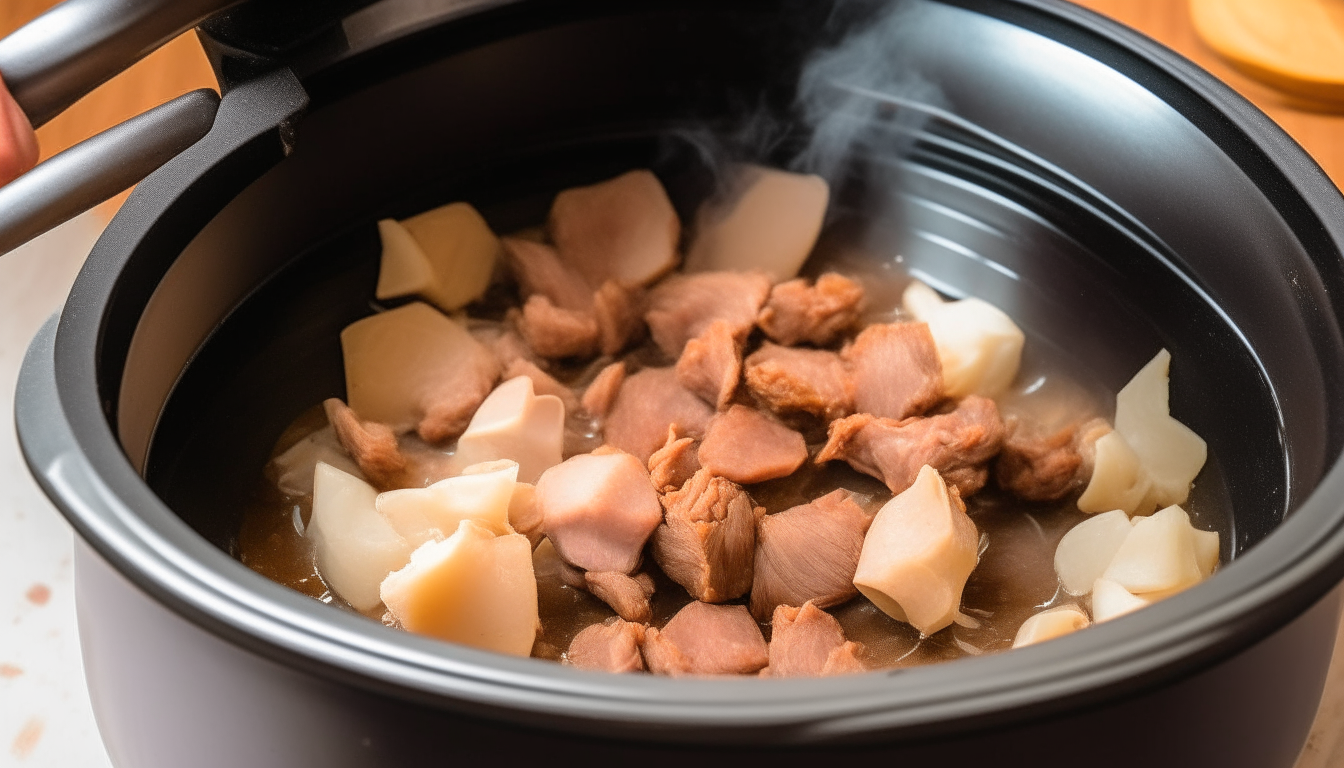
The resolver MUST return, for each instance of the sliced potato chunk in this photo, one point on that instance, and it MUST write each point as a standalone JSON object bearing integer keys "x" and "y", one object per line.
{"x": 918, "y": 553}
{"x": 445, "y": 256}
{"x": 355, "y": 546}
{"x": 473, "y": 588}
{"x": 979, "y": 346}
{"x": 1110, "y": 600}
{"x": 481, "y": 493}
{"x": 516, "y": 424}
{"x": 396, "y": 362}
{"x": 1169, "y": 451}
{"x": 769, "y": 222}
{"x": 1087, "y": 549}
{"x": 1049, "y": 624}
{"x": 1158, "y": 555}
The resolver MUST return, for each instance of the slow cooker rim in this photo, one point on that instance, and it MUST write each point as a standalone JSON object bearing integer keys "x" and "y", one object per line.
{"x": 1193, "y": 630}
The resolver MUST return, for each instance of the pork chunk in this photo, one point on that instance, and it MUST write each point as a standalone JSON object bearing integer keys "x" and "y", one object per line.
{"x": 648, "y": 403}
{"x": 450, "y": 410}
{"x": 1037, "y": 466}
{"x": 708, "y": 538}
{"x": 895, "y": 370}
{"x": 538, "y": 269}
{"x": 675, "y": 463}
{"x": 628, "y": 596}
{"x": 612, "y": 646}
{"x": 788, "y": 380}
{"x": 958, "y": 444}
{"x": 623, "y": 229}
{"x": 705, "y": 639}
{"x": 555, "y": 332}
{"x": 373, "y": 446}
{"x": 617, "y": 312}
{"x": 601, "y": 393}
{"x": 683, "y": 306}
{"x": 817, "y": 314}
{"x": 808, "y": 642}
{"x": 745, "y": 446}
{"x": 599, "y": 510}
{"x": 711, "y": 364}
{"x": 808, "y": 554}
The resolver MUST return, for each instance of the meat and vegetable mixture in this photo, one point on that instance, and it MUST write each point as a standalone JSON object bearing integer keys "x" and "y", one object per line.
{"x": 670, "y": 453}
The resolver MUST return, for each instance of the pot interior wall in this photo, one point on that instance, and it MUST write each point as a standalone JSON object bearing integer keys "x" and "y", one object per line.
{"x": 504, "y": 118}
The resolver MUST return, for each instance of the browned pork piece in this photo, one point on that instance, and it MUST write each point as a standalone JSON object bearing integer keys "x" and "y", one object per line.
{"x": 683, "y": 306}
{"x": 628, "y": 596}
{"x": 556, "y": 332}
{"x": 788, "y": 380}
{"x": 745, "y": 446}
{"x": 957, "y": 444}
{"x": 612, "y": 646}
{"x": 601, "y": 392}
{"x": 675, "y": 463}
{"x": 648, "y": 403}
{"x": 1039, "y": 466}
{"x": 711, "y": 364}
{"x": 617, "y": 311}
{"x": 543, "y": 383}
{"x": 450, "y": 410}
{"x": 708, "y": 538}
{"x": 817, "y": 314}
{"x": 622, "y": 229}
{"x": 599, "y": 510}
{"x": 506, "y": 344}
{"x": 808, "y": 642}
{"x": 895, "y": 370}
{"x": 808, "y": 554}
{"x": 538, "y": 269}
{"x": 373, "y": 446}
{"x": 705, "y": 639}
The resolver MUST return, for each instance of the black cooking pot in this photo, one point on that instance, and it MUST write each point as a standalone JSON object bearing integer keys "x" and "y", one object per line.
{"x": 1111, "y": 196}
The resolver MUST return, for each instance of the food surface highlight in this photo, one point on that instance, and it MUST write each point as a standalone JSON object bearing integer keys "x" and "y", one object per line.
{"x": 566, "y": 443}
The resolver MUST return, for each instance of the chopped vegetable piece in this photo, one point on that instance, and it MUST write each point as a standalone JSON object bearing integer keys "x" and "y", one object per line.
{"x": 1110, "y": 600}
{"x": 1158, "y": 555}
{"x": 1169, "y": 451}
{"x": 354, "y": 545}
{"x": 918, "y": 553}
{"x": 980, "y": 347}
{"x": 482, "y": 493}
{"x": 473, "y": 588}
{"x": 767, "y": 220}
{"x": 451, "y": 262}
{"x": 1088, "y": 548}
{"x": 1049, "y": 624}
{"x": 515, "y": 424}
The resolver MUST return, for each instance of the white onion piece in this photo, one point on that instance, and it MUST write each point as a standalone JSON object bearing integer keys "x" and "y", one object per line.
{"x": 979, "y": 346}
{"x": 917, "y": 555}
{"x": 354, "y": 545}
{"x": 1169, "y": 451}
{"x": 1207, "y": 546}
{"x": 1049, "y": 624}
{"x": 473, "y": 588}
{"x": 1119, "y": 480}
{"x": 293, "y": 469}
{"x": 1158, "y": 555}
{"x": 516, "y": 424}
{"x": 768, "y": 221}
{"x": 446, "y": 256}
{"x": 481, "y": 494}
{"x": 1110, "y": 600}
{"x": 1087, "y": 549}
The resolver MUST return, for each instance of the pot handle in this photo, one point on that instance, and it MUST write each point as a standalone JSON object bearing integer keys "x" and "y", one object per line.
{"x": 98, "y": 168}
{"x": 62, "y": 55}
{"x": 57, "y": 58}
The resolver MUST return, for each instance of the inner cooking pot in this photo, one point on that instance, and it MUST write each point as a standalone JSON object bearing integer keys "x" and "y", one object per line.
{"x": 1108, "y": 195}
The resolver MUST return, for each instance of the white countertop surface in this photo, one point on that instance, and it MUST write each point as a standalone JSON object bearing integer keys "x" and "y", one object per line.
{"x": 45, "y": 717}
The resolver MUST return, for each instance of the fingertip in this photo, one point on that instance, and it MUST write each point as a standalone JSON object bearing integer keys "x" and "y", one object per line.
{"x": 18, "y": 142}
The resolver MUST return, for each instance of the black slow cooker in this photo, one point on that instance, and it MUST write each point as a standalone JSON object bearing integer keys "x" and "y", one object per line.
{"x": 1107, "y": 193}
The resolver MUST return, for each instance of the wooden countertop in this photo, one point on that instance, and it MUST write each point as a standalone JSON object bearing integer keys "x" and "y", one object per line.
{"x": 181, "y": 66}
